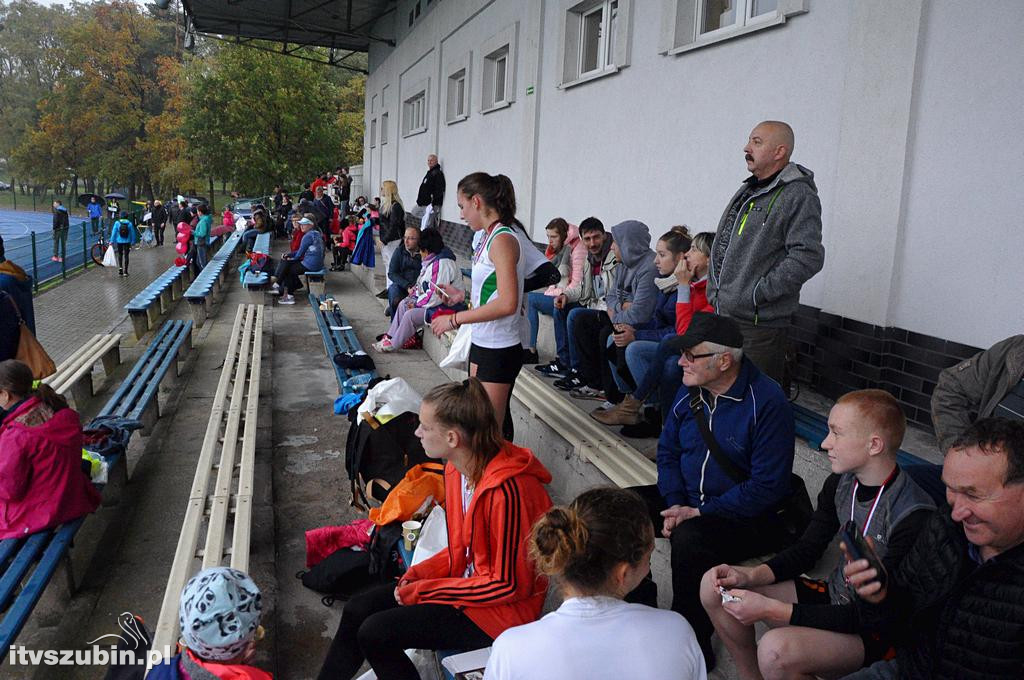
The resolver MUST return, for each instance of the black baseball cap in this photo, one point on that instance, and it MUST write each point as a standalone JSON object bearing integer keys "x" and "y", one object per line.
{"x": 708, "y": 327}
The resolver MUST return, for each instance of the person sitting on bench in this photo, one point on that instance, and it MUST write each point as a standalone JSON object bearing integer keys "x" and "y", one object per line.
{"x": 42, "y": 482}
{"x": 308, "y": 258}
{"x": 427, "y": 296}
{"x": 220, "y": 613}
{"x": 597, "y": 549}
{"x": 815, "y": 630}
{"x": 483, "y": 584}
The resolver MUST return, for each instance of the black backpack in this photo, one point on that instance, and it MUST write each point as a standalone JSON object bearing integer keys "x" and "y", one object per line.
{"x": 377, "y": 458}
{"x": 122, "y": 228}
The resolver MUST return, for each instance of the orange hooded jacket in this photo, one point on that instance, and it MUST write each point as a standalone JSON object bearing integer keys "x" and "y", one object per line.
{"x": 504, "y": 590}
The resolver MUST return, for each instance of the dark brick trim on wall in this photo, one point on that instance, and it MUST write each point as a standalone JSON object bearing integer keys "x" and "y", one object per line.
{"x": 836, "y": 355}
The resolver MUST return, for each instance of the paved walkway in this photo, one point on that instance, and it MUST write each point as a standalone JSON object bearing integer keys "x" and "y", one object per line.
{"x": 93, "y": 302}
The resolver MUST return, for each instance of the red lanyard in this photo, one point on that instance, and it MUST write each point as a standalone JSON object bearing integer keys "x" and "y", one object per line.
{"x": 874, "y": 504}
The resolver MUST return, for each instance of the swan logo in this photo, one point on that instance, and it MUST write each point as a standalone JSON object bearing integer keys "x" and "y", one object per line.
{"x": 133, "y": 633}
{"x": 129, "y": 647}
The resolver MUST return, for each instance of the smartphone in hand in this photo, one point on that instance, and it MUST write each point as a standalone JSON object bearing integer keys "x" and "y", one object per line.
{"x": 437, "y": 288}
{"x": 859, "y": 549}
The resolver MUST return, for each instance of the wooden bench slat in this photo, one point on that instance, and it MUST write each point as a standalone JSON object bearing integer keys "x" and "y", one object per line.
{"x": 87, "y": 357}
{"x": 30, "y": 549}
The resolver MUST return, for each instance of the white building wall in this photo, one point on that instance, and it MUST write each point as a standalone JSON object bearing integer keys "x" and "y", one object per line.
{"x": 882, "y": 96}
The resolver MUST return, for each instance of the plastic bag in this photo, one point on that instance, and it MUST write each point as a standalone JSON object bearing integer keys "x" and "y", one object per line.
{"x": 433, "y": 537}
{"x": 458, "y": 353}
{"x": 391, "y": 398}
{"x": 147, "y": 236}
{"x": 109, "y": 258}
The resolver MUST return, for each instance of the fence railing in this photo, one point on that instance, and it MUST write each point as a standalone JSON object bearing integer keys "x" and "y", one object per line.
{"x": 35, "y": 252}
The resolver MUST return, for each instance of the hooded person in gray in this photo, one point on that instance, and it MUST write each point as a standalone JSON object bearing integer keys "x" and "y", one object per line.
{"x": 768, "y": 244}
{"x": 633, "y": 295}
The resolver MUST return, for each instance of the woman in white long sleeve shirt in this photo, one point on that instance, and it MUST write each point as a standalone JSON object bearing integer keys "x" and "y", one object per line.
{"x": 598, "y": 549}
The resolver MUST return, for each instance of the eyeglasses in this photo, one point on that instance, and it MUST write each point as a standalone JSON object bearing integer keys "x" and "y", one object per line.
{"x": 691, "y": 357}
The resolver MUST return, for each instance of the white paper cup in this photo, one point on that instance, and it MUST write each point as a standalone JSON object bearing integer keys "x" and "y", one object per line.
{"x": 411, "y": 533}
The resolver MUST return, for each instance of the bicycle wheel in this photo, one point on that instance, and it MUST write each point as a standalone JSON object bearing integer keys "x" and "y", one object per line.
{"x": 97, "y": 252}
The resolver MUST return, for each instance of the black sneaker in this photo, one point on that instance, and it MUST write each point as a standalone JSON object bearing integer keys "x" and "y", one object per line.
{"x": 383, "y": 295}
{"x": 553, "y": 370}
{"x": 530, "y": 356}
{"x": 572, "y": 382}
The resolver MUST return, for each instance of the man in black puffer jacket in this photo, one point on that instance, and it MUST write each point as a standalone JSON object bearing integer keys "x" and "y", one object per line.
{"x": 956, "y": 603}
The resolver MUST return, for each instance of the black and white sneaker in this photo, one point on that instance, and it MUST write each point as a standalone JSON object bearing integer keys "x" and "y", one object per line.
{"x": 571, "y": 382}
{"x": 552, "y": 370}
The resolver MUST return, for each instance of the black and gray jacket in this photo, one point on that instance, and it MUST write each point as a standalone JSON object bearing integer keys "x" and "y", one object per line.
{"x": 950, "y": 616}
{"x": 768, "y": 244}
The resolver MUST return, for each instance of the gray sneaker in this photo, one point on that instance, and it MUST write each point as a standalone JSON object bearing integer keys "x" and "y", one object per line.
{"x": 587, "y": 392}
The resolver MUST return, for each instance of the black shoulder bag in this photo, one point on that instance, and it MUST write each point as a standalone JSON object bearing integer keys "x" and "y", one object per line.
{"x": 794, "y": 512}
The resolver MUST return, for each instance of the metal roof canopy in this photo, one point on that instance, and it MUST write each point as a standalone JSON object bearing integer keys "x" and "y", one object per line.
{"x": 339, "y": 25}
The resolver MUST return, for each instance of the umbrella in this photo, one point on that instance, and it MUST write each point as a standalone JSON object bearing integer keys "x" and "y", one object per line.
{"x": 116, "y": 195}
{"x": 84, "y": 199}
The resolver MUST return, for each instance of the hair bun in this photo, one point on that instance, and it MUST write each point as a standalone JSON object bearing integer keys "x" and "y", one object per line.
{"x": 559, "y": 538}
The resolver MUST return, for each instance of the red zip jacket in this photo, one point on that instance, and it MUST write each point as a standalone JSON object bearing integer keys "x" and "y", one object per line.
{"x": 504, "y": 590}
{"x": 698, "y": 303}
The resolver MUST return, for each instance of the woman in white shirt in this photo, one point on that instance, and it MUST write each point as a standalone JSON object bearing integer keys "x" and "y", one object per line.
{"x": 488, "y": 204}
{"x": 598, "y": 549}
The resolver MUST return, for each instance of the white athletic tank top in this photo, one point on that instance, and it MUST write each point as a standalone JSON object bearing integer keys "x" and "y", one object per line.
{"x": 502, "y": 332}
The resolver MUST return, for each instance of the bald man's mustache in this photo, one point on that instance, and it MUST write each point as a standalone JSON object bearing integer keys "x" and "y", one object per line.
{"x": 748, "y": 157}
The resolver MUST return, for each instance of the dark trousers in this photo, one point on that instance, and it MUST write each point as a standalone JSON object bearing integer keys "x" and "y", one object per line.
{"x": 341, "y": 255}
{"x": 396, "y": 293}
{"x": 377, "y": 629}
{"x": 158, "y": 231}
{"x": 766, "y": 346}
{"x": 288, "y": 279}
{"x": 95, "y": 223}
{"x": 590, "y": 332}
{"x": 123, "y": 251}
{"x": 60, "y": 242}
{"x": 704, "y": 542}
{"x": 664, "y": 375}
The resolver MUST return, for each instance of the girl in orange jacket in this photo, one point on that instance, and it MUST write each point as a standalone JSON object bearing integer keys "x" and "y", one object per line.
{"x": 483, "y": 583}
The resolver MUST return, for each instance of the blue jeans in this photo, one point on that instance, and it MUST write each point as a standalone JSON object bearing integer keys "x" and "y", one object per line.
{"x": 202, "y": 258}
{"x": 249, "y": 239}
{"x": 663, "y": 377}
{"x": 639, "y": 357}
{"x": 396, "y": 294}
{"x": 537, "y": 304}
{"x": 559, "y": 319}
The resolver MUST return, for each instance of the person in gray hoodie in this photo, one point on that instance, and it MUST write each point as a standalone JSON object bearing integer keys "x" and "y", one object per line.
{"x": 630, "y": 302}
{"x": 768, "y": 244}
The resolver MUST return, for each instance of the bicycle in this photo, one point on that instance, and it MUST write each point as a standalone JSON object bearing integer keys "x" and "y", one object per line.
{"x": 99, "y": 249}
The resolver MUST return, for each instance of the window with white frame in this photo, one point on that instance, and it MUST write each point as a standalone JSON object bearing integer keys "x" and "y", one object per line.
{"x": 458, "y": 96}
{"x": 498, "y": 66}
{"x": 383, "y": 128}
{"x": 595, "y": 39}
{"x": 373, "y": 133}
{"x": 414, "y": 113}
{"x": 690, "y": 24}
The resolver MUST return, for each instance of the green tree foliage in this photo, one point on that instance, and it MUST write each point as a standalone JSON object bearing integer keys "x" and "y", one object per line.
{"x": 351, "y": 119}
{"x": 258, "y": 119}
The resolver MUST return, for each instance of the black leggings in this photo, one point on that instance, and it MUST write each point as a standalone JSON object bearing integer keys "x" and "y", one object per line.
{"x": 123, "y": 252}
{"x": 375, "y": 628}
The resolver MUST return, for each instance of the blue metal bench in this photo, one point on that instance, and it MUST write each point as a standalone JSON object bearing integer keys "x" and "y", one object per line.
{"x": 26, "y": 567}
{"x": 813, "y": 428}
{"x": 314, "y": 282}
{"x": 210, "y": 279}
{"x": 336, "y": 341}
{"x": 155, "y": 299}
{"x": 136, "y": 398}
{"x": 259, "y": 281}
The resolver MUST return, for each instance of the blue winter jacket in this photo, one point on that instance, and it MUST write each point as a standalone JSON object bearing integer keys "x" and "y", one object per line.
{"x": 95, "y": 209}
{"x": 663, "y": 323}
{"x": 753, "y": 425}
{"x": 311, "y": 251}
{"x": 115, "y": 236}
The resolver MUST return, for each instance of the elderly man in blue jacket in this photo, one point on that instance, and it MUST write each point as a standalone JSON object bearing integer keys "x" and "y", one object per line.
{"x": 708, "y": 515}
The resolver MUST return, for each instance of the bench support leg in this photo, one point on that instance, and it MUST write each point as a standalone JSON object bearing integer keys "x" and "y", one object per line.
{"x": 198, "y": 310}
{"x": 153, "y": 313}
{"x": 165, "y": 300}
{"x": 150, "y": 416}
{"x": 111, "y": 360}
{"x": 176, "y": 287}
{"x": 140, "y": 323}
{"x": 117, "y": 477}
{"x": 81, "y": 391}
{"x": 316, "y": 285}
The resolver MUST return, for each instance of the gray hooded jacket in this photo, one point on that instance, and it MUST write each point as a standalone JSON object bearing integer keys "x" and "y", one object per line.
{"x": 766, "y": 248}
{"x": 634, "y": 277}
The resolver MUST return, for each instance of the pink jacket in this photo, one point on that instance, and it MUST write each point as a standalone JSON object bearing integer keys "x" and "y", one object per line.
{"x": 42, "y": 483}
{"x": 577, "y": 257}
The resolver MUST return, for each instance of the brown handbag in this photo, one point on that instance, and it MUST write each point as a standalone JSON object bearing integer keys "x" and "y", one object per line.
{"x": 30, "y": 351}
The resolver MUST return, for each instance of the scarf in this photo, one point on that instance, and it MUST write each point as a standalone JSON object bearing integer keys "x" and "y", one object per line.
{"x": 666, "y": 284}
{"x": 11, "y": 269}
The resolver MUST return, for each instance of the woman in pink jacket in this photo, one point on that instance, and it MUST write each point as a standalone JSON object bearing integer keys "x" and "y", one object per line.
{"x": 42, "y": 483}
{"x": 567, "y": 252}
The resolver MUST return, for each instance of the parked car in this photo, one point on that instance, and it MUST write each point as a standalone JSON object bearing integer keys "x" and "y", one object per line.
{"x": 4, "y": 186}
